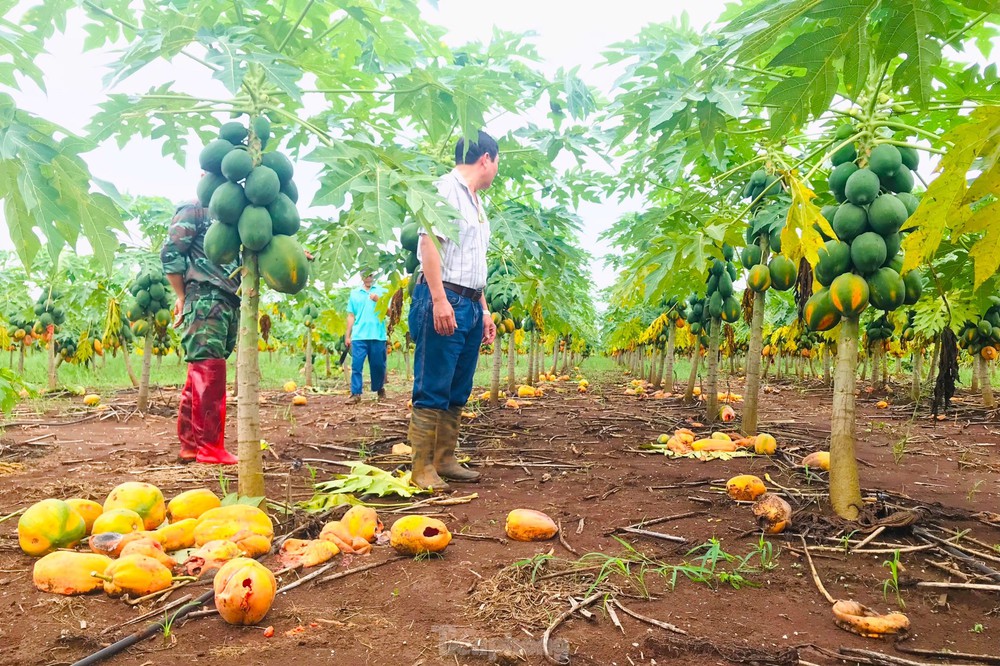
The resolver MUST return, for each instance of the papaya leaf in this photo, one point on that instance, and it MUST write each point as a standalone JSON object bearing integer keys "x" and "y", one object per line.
{"x": 909, "y": 29}
{"x": 800, "y": 237}
{"x": 946, "y": 202}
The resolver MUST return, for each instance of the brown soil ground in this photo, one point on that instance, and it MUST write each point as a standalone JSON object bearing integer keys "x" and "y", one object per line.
{"x": 576, "y": 457}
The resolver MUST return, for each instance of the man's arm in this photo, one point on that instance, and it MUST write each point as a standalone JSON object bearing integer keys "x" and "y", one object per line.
{"x": 489, "y": 328}
{"x": 430, "y": 264}
{"x": 174, "y": 255}
{"x": 177, "y": 282}
{"x": 350, "y": 328}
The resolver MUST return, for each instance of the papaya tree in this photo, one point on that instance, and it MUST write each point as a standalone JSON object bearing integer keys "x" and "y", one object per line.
{"x": 267, "y": 61}
{"x": 883, "y": 111}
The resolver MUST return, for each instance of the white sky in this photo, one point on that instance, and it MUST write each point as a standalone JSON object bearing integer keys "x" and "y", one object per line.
{"x": 566, "y": 34}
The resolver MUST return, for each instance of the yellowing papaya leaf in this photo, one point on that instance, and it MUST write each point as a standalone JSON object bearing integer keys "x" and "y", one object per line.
{"x": 799, "y": 237}
{"x": 945, "y": 202}
{"x": 985, "y": 254}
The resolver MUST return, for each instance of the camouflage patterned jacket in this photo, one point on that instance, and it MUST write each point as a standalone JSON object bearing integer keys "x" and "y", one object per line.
{"x": 184, "y": 252}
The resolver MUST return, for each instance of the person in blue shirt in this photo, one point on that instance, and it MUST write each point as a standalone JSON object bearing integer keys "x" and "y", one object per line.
{"x": 365, "y": 338}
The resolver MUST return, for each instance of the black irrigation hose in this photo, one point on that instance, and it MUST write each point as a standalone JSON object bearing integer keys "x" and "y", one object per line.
{"x": 143, "y": 634}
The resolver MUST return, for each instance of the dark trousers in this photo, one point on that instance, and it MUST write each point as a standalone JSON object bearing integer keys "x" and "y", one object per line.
{"x": 375, "y": 352}
{"x": 444, "y": 365}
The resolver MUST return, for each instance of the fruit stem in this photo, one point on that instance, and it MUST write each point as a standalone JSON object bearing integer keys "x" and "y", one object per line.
{"x": 909, "y": 128}
{"x": 298, "y": 22}
{"x": 107, "y": 579}
{"x": 904, "y": 144}
{"x": 829, "y": 153}
{"x": 877, "y": 89}
{"x": 727, "y": 174}
{"x": 320, "y": 134}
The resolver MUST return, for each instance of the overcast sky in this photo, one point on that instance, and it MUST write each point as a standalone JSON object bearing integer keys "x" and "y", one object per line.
{"x": 566, "y": 34}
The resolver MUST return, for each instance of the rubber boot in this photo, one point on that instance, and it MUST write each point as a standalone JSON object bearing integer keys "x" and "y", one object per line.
{"x": 209, "y": 413}
{"x": 185, "y": 428}
{"x": 421, "y": 436}
{"x": 444, "y": 449}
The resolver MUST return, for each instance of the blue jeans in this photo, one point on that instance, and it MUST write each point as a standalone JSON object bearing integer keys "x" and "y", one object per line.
{"x": 374, "y": 351}
{"x": 444, "y": 365}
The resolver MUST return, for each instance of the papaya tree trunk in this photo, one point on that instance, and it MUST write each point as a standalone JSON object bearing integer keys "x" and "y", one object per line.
{"x": 899, "y": 367}
{"x": 878, "y": 359}
{"x": 935, "y": 359}
{"x": 668, "y": 370}
{"x": 712, "y": 399}
{"x": 917, "y": 358}
{"x": 885, "y": 367}
{"x": 555, "y": 356}
{"x": 326, "y": 361}
{"x": 127, "y": 358}
{"x": 654, "y": 357}
{"x": 406, "y": 356}
{"x": 309, "y": 357}
{"x": 531, "y": 359}
{"x": 20, "y": 361}
{"x": 142, "y": 403}
{"x": 845, "y": 489}
{"x": 693, "y": 376}
{"x": 495, "y": 379}
{"x": 974, "y": 384}
{"x": 827, "y": 379}
{"x": 658, "y": 375}
{"x": 511, "y": 365}
{"x": 984, "y": 382}
{"x": 236, "y": 361}
{"x": 751, "y": 394}
{"x": 251, "y": 464}
{"x": 52, "y": 362}
{"x": 159, "y": 362}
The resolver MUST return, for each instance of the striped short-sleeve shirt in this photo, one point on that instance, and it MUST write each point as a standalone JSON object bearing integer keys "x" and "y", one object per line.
{"x": 463, "y": 262}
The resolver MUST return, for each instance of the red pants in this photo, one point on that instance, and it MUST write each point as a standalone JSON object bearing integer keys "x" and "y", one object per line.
{"x": 201, "y": 418}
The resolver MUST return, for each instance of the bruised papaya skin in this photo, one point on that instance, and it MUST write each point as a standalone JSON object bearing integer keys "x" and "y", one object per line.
{"x": 861, "y": 620}
{"x": 210, "y": 557}
{"x": 362, "y": 521}
{"x": 714, "y": 444}
{"x": 745, "y": 487}
{"x": 135, "y": 575}
{"x": 306, "y": 552}
{"x": 817, "y": 460}
{"x": 192, "y": 504}
{"x": 66, "y": 572}
{"x": 89, "y": 510}
{"x": 529, "y": 525}
{"x": 226, "y": 522}
{"x": 774, "y": 514}
{"x": 143, "y": 498}
{"x": 244, "y": 591}
{"x": 178, "y": 535}
{"x": 416, "y": 535}
{"x": 48, "y": 525}
{"x": 112, "y": 543}
{"x": 149, "y": 547}
{"x": 120, "y": 520}
{"x": 338, "y": 533}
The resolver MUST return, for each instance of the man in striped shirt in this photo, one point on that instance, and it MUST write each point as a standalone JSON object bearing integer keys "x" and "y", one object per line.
{"x": 449, "y": 319}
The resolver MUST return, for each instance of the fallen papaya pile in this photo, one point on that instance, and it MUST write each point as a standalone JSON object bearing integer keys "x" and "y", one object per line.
{"x": 684, "y": 443}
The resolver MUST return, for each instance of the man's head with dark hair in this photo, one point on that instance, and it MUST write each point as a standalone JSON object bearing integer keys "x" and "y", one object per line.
{"x": 479, "y": 161}
{"x": 484, "y": 145}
